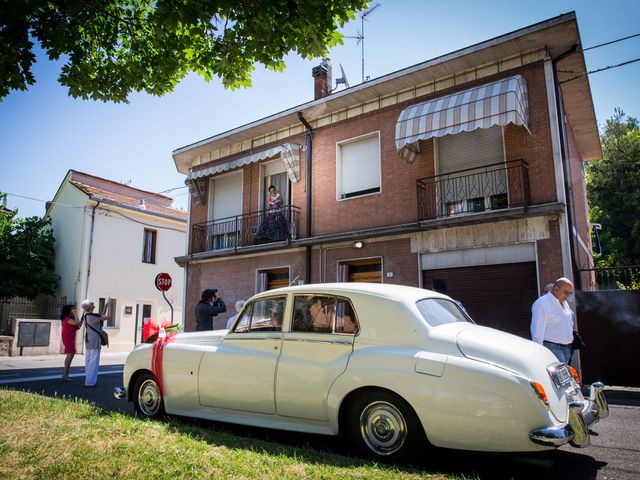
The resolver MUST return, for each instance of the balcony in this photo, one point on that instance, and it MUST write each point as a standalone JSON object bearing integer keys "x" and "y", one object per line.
{"x": 254, "y": 228}
{"x": 475, "y": 190}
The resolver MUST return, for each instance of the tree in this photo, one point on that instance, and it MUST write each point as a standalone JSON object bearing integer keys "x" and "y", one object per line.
{"x": 613, "y": 193}
{"x": 114, "y": 47}
{"x": 26, "y": 255}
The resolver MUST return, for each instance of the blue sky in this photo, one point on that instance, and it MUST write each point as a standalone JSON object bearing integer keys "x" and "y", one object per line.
{"x": 44, "y": 132}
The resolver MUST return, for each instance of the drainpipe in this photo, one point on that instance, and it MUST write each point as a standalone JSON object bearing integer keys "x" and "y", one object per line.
{"x": 93, "y": 222}
{"x": 565, "y": 167}
{"x": 308, "y": 186}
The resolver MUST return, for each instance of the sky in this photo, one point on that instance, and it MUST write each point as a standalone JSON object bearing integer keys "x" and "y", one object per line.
{"x": 44, "y": 132}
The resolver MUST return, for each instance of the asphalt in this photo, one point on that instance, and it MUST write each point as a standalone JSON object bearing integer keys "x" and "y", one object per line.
{"x": 616, "y": 395}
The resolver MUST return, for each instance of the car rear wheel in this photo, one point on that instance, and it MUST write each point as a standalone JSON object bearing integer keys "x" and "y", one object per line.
{"x": 147, "y": 397}
{"x": 381, "y": 425}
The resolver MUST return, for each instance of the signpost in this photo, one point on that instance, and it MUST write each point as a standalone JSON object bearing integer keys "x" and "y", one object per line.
{"x": 163, "y": 283}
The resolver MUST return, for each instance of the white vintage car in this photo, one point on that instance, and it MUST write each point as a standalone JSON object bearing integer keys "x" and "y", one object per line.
{"x": 392, "y": 368}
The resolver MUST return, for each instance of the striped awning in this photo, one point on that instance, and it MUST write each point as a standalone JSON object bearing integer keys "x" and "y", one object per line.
{"x": 289, "y": 152}
{"x": 497, "y": 103}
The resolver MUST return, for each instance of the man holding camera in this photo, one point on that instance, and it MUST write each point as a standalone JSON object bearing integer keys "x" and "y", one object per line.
{"x": 209, "y": 306}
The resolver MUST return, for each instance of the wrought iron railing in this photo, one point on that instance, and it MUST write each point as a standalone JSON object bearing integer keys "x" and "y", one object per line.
{"x": 611, "y": 278}
{"x": 254, "y": 228}
{"x": 474, "y": 190}
{"x": 42, "y": 307}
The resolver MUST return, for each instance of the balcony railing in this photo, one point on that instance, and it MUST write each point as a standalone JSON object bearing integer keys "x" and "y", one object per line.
{"x": 252, "y": 228}
{"x": 474, "y": 190}
{"x": 611, "y": 278}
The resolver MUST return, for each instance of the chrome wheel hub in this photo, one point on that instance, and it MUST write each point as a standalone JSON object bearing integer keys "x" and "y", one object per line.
{"x": 383, "y": 428}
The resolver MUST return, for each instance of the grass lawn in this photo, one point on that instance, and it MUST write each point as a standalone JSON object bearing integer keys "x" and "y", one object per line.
{"x": 53, "y": 438}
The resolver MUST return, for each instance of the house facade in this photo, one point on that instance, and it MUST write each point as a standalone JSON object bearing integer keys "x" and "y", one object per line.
{"x": 112, "y": 240}
{"x": 461, "y": 174}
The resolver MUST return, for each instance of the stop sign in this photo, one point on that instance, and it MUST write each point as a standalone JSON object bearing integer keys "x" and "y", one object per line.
{"x": 163, "y": 281}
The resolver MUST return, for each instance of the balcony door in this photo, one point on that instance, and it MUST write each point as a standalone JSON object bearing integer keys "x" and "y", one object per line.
{"x": 225, "y": 204}
{"x": 468, "y": 184}
{"x": 274, "y": 173}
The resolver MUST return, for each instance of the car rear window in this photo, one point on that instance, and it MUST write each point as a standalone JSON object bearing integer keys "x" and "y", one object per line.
{"x": 438, "y": 311}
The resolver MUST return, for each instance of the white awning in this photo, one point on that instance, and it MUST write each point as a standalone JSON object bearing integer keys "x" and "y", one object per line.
{"x": 497, "y": 103}
{"x": 289, "y": 152}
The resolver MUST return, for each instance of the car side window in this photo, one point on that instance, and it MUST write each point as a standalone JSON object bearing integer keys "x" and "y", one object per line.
{"x": 263, "y": 315}
{"x": 345, "y": 318}
{"x": 323, "y": 314}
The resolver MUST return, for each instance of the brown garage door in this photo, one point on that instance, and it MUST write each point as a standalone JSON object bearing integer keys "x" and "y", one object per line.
{"x": 498, "y": 296}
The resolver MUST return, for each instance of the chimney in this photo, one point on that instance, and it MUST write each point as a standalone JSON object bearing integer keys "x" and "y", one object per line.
{"x": 322, "y": 79}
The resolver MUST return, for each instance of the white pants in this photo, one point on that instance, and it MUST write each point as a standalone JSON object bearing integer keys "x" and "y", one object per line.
{"x": 91, "y": 366}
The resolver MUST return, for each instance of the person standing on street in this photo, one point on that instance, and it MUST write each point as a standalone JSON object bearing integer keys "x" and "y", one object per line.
{"x": 209, "y": 306}
{"x": 70, "y": 325}
{"x": 552, "y": 320}
{"x": 93, "y": 345}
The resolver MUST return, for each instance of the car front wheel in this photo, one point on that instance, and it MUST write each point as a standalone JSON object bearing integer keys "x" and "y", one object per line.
{"x": 147, "y": 397}
{"x": 381, "y": 425}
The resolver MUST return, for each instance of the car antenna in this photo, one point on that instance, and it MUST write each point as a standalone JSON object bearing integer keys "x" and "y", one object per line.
{"x": 294, "y": 280}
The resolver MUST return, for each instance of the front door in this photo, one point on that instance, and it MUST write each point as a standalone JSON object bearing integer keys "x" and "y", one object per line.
{"x": 143, "y": 315}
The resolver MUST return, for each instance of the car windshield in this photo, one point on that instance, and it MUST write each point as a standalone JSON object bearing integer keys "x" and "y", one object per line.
{"x": 438, "y": 311}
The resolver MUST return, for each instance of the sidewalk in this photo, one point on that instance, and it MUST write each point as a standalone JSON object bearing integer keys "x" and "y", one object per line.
{"x": 53, "y": 361}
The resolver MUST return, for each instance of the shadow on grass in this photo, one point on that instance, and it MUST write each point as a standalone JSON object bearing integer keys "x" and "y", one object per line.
{"x": 327, "y": 450}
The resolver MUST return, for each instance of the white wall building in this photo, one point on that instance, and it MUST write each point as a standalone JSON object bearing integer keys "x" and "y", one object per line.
{"x": 112, "y": 240}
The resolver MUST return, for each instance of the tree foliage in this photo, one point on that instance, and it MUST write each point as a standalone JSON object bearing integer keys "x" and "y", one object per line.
{"x": 114, "y": 47}
{"x": 26, "y": 255}
{"x": 614, "y": 194}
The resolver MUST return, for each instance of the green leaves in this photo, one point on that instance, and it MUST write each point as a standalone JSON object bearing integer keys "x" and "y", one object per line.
{"x": 613, "y": 194}
{"x": 26, "y": 256}
{"x": 115, "y": 47}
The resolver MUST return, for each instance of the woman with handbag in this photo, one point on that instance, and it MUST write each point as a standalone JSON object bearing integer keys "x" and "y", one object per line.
{"x": 93, "y": 339}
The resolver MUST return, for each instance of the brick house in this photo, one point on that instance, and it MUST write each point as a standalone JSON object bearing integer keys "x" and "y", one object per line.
{"x": 461, "y": 173}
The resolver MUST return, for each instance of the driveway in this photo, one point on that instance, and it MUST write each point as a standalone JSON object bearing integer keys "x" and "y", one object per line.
{"x": 613, "y": 453}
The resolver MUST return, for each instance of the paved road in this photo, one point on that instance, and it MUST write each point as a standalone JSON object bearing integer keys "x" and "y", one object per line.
{"x": 614, "y": 453}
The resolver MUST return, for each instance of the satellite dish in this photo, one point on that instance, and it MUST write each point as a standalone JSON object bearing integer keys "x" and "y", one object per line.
{"x": 343, "y": 79}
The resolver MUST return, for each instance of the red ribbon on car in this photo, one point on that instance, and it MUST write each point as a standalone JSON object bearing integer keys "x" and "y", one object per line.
{"x": 153, "y": 331}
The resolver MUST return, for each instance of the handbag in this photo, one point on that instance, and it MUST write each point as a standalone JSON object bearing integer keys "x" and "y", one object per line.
{"x": 104, "y": 336}
{"x": 578, "y": 343}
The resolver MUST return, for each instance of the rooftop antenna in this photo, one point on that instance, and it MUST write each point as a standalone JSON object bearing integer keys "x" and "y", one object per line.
{"x": 343, "y": 79}
{"x": 360, "y": 36}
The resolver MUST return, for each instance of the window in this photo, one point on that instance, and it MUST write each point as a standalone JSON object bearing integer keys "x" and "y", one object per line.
{"x": 323, "y": 314}
{"x": 358, "y": 167}
{"x": 264, "y": 315}
{"x": 472, "y": 171}
{"x": 440, "y": 311}
{"x": 367, "y": 270}
{"x": 149, "y": 246}
{"x": 270, "y": 279}
{"x": 225, "y": 207}
{"x": 112, "y": 311}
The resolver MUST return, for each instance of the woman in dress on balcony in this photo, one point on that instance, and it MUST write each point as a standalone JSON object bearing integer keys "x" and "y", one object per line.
{"x": 274, "y": 227}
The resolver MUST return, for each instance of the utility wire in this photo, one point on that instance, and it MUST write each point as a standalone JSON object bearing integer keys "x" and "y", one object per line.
{"x": 611, "y": 42}
{"x": 599, "y": 70}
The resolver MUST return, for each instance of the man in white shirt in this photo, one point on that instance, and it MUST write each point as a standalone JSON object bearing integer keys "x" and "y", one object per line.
{"x": 552, "y": 320}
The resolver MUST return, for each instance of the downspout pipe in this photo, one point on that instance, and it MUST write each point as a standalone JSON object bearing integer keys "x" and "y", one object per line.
{"x": 308, "y": 186}
{"x": 93, "y": 222}
{"x": 565, "y": 166}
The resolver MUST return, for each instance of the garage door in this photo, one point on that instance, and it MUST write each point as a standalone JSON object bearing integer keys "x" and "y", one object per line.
{"x": 498, "y": 296}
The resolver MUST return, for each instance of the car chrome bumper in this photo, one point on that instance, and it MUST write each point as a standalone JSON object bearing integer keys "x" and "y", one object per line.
{"x": 581, "y": 416}
{"x": 120, "y": 392}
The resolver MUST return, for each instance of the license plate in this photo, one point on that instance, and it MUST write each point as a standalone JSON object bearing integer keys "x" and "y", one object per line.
{"x": 563, "y": 375}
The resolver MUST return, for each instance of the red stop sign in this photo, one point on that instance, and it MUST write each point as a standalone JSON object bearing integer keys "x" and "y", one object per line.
{"x": 163, "y": 281}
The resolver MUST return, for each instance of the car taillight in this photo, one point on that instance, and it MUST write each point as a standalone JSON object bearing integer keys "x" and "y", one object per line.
{"x": 542, "y": 395}
{"x": 574, "y": 374}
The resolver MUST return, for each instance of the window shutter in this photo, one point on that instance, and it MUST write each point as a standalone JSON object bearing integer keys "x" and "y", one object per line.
{"x": 465, "y": 150}
{"x": 359, "y": 166}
